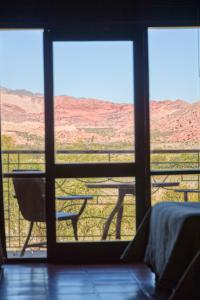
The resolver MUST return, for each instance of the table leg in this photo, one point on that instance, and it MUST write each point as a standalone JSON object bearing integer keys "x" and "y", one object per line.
{"x": 114, "y": 211}
{"x": 120, "y": 215}
{"x": 185, "y": 196}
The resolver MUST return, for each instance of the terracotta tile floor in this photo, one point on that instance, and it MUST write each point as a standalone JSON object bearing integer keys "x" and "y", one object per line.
{"x": 58, "y": 282}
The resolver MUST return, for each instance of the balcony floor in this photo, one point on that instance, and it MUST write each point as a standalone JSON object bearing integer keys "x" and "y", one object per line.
{"x": 91, "y": 282}
{"x": 28, "y": 254}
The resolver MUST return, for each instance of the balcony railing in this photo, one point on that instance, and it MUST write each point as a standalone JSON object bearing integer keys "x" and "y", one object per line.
{"x": 93, "y": 220}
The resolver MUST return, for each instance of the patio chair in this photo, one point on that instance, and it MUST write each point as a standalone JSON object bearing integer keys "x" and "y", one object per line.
{"x": 30, "y": 194}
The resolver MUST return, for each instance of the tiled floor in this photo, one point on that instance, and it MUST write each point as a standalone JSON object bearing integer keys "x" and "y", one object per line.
{"x": 58, "y": 282}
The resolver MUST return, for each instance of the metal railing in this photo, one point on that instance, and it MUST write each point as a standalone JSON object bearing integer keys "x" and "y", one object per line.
{"x": 192, "y": 157}
{"x": 16, "y": 227}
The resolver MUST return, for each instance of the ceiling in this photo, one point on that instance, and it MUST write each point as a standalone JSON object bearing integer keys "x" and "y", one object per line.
{"x": 56, "y": 13}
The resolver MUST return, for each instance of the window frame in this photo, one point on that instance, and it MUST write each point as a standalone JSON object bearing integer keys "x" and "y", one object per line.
{"x": 140, "y": 169}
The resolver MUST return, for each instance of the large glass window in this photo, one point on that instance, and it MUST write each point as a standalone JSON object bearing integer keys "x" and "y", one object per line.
{"x": 174, "y": 97}
{"x": 22, "y": 135}
{"x": 93, "y": 99}
{"x": 95, "y": 209}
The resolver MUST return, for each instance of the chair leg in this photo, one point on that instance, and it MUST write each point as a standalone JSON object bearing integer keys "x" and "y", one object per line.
{"x": 27, "y": 239}
{"x": 75, "y": 228}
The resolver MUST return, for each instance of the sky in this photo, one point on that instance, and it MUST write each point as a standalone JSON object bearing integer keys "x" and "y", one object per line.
{"x": 173, "y": 64}
{"x": 103, "y": 70}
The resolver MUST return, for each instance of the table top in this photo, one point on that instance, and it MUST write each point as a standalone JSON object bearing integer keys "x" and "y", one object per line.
{"x": 127, "y": 185}
{"x": 75, "y": 197}
{"x": 187, "y": 190}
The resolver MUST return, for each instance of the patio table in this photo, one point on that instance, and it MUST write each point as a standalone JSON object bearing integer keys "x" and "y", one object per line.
{"x": 124, "y": 189}
{"x": 186, "y": 192}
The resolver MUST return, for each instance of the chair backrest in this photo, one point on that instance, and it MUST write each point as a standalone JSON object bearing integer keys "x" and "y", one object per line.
{"x": 30, "y": 194}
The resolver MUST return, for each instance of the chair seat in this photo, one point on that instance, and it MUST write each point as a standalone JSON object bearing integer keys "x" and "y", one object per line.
{"x": 66, "y": 215}
{"x": 30, "y": 194}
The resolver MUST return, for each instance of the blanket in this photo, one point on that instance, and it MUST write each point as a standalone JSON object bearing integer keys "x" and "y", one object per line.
{"x": 173, "y": 240}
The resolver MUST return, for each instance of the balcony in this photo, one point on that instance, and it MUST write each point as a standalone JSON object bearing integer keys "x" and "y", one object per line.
{"x": 92, "y": 223}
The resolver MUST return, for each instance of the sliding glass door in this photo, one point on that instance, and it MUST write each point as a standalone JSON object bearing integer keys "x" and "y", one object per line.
{"x": 174, "y": 56}
{"x": 22, "y": 141}
{"x": 95, "y": 170}
{"x": 94, "y": 165}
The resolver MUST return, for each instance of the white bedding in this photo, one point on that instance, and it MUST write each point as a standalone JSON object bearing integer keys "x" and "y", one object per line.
{"x": 166, "y": 223}
{"x": 167, "y": 240}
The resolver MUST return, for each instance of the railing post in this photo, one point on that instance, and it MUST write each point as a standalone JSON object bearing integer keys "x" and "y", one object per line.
{"x": 18, "y": 159}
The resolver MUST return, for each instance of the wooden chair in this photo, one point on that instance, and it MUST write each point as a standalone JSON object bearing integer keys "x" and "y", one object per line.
{"x": 30, "y": 194}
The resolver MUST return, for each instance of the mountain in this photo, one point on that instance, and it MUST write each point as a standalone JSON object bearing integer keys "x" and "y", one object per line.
{"x": 174, "y": 123}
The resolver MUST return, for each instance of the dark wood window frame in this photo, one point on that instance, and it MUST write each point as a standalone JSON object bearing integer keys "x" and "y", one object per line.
{"x": 140, "y": 169}
{"x": 89, "y": 251}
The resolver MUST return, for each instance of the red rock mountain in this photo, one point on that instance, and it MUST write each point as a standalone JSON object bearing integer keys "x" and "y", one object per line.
{"x": 174, "y": 123}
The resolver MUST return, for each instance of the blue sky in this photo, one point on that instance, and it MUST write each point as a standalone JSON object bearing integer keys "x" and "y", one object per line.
{"x": 103, "y": 70}
{"x": 173, "y": 64}
{"x": 21, "y": 62}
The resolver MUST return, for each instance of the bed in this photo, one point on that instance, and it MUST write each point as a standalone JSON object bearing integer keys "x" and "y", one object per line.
{"x": 167, "y": 241}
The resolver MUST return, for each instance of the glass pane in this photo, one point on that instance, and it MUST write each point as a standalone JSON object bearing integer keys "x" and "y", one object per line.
{"x": 176, "y": 188}
{"x": 109, "y": 211}
{"x": 93, "y": 98}
{"x": 174, "y": 97}
{"x": 22, "y": 128}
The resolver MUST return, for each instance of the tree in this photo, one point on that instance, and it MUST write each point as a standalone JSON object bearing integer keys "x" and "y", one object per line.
{"x": 7, "y": 142}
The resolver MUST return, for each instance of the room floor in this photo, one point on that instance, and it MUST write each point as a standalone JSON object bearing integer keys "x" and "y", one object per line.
{"x": 91, "y": 282}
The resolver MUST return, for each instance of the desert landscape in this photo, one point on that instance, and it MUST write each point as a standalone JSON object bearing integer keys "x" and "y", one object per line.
{"x": 83, "y": 123}
{"x": 174, "y": 123}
